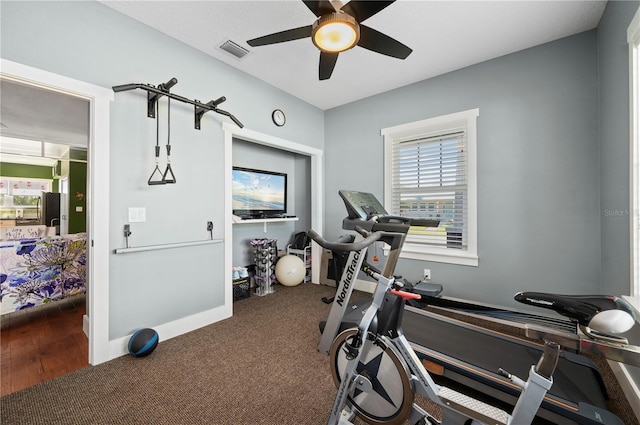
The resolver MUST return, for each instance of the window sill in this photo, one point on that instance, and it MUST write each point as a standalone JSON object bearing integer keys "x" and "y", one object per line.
{"x": 634, "y": 301}
{"x": 417, "y": 252}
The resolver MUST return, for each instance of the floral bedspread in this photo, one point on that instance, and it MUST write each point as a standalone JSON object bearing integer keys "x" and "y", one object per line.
{"x": 38, "y": 271}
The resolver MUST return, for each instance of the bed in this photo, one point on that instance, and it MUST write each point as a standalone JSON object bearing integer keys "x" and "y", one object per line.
{"x": 41, "y": 270}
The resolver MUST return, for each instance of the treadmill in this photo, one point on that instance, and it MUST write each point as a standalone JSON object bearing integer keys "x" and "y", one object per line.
{"x": 467, "y": 357}
{"x": 470, "y": 356}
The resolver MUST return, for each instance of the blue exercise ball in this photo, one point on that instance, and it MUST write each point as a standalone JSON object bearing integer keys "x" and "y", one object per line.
{"x": 143, "y": 342}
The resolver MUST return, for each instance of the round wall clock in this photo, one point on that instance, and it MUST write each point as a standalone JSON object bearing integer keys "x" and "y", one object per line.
{"x": 278, "y": 117}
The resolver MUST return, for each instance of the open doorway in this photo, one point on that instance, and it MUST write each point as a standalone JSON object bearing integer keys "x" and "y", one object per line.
{"x": 43, "y": 181}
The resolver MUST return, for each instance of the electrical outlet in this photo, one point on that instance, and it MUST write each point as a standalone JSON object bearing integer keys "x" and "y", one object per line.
{"x": 427, "y": 274}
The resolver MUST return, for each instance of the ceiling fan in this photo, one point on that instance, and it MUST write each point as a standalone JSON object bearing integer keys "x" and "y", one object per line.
{"x": 336, "y": 31}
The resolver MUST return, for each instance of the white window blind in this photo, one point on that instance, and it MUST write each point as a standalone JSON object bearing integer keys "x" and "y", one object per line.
{"x": 429, "y": 180}
{"x": 430, "y": 172}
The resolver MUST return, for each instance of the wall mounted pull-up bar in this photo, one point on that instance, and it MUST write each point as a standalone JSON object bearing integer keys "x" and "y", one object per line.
{"x": 155, "y": 93}
{"x": 152, "y": 97}
{"x": 213, "y": 105}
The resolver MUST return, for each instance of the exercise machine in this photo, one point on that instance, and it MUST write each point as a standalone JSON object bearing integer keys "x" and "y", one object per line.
{"x": 365, "y": 213}
{"x": 578, "y": 396}
{"x": 378, "y": 373}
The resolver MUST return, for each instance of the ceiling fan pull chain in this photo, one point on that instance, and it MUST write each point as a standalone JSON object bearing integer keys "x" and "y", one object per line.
{"x": 160, "y": 179}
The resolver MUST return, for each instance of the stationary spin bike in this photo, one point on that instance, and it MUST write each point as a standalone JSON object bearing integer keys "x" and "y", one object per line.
{"x": 378, "y": 373}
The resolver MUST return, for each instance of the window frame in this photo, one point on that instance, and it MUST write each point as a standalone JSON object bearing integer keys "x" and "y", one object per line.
{"x": 468, "y": 118}
{"x": 633, "y": 38}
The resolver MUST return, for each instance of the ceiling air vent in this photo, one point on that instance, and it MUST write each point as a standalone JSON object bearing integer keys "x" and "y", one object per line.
{"x": 234, "y": 48}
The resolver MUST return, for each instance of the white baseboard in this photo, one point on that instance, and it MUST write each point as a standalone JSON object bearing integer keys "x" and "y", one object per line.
{"x": 85, "y": 325}
{"x": 624, "y": 375}
{"x": 628, "y": 385}
{"x": 119, "y": 347}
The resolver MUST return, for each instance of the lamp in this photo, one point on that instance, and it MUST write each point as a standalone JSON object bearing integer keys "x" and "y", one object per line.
{"x": 335, "y": 32}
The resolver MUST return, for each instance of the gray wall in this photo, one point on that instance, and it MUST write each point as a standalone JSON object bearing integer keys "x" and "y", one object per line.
{"x": 90, "y": 42}
{"x": 613, "y": 71}
{"x": 298, "y": 169}
{"x": 613, "y": 79}
{"x": 538, "y": 180}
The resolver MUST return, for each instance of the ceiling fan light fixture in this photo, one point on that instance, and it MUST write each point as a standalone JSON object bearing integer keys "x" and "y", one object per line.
{"x": 335, "y": 32}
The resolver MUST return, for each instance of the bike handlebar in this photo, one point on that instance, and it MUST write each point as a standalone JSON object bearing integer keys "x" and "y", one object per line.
{"x": 342, "y": 246}
{"x": 406, "y": 295}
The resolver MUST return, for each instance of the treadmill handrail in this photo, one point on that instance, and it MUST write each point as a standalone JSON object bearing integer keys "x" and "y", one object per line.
{"x": 342, "y": 246}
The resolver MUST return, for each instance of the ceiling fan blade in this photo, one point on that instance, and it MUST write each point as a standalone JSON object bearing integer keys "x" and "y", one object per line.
{"x": 362, "y": 10}
{"x": 320, "y": 7}
{"x": 327, "y": 63}
{"x": 381, "y": 43}
{"x": 279, "y": 37}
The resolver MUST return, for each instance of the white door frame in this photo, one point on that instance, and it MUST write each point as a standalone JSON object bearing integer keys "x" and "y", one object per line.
{"x": 63, "y": 187}
{"x": 317, "y": 190}
{"x": 96, "y": 321}
{"x": 633, "y": 38}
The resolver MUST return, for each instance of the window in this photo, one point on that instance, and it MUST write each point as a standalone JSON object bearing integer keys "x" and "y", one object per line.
{"x": 633, "y": 37}
{"x": 20, "y": 198}
{"x": 430, "y": 172}
{"x": 21, "y": 188}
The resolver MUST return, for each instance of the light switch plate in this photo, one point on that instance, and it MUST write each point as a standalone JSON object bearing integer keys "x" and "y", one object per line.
{"x": 137, "y": 214}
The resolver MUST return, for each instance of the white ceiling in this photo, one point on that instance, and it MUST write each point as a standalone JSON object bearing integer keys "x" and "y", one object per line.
{"x": 38, "y": 113}
{"x": 39, "y": 124}
{"x": 444, "y": 36}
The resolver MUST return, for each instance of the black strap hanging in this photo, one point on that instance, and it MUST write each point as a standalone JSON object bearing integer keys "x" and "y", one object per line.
{"x": 153, "y": 180}
{"x": 168, "y": 171}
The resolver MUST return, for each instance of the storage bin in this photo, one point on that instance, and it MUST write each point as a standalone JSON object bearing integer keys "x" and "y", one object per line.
{"x": 241, "y": 288}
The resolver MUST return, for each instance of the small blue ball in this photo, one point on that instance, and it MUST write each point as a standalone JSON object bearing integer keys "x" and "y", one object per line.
{"x": 143, "y": 342}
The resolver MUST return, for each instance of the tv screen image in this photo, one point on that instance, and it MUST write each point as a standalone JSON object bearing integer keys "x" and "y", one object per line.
{"x": 258, "y": 193}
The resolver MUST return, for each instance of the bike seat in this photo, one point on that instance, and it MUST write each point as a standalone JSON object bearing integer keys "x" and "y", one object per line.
{"x": 427, "y": 289}
{"x": 586, "y": 309}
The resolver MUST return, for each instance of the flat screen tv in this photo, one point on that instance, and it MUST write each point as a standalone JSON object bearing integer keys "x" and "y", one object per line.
{"x": 258, "y": 193}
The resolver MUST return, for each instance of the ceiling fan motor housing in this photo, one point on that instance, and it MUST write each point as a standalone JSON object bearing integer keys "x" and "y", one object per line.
{"x": 321, "y": 32}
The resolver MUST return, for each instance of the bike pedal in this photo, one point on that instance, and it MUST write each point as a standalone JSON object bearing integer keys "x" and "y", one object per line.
{"x": 473, "y": 408}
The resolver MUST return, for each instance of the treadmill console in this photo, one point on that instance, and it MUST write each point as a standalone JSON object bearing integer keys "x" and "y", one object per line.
{"x": 361, "y": 205}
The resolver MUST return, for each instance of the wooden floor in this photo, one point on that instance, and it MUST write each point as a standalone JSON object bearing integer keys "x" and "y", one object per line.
{"x": 41, "y": 343}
